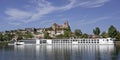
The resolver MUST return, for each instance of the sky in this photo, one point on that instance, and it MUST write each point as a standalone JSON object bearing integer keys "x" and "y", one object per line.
{"x": 81, "y": 14}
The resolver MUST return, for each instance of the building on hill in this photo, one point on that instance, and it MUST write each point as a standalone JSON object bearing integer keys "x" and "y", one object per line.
{"x": 53, "y": 31}
{"x": 30, "y": 30}
{"x": 39, "y": 33}
{"x": 40, "y": 30}
{"x": 58, "y": 29}
{"x": 56, "y": 26}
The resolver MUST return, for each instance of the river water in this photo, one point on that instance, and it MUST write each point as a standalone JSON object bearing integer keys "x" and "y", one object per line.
{"x": 60, "y": 52}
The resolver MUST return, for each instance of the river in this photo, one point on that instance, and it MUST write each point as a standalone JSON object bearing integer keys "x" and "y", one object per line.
{"x": 60, "y": 52}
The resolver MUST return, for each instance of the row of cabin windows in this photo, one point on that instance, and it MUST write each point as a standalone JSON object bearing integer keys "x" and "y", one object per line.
{"x": 61, "y": 41}
{"x": 78, "y": 42}
{"x": 75, "y": 40}
{"x": 89, "y": 42}
{"x": 56, "y": 41}
{"x": 106, "y": 40}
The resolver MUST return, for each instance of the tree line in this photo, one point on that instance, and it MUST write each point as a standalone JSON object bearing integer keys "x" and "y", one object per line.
{"x": 9, "y": 35}
{"x": 111, "y": 33}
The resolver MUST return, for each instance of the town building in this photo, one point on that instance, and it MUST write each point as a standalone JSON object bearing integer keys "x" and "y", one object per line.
{"x": 56, "y": 26}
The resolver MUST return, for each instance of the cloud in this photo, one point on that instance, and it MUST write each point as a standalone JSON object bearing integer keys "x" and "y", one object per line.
{"x": 93, "y": 3}
{"x": 96, "y": 20}
{"x": 43, "y": 8}
{"x": 92, "y": 21}
{"x": 14, "y": 23}
{"x": 15, "y": 14}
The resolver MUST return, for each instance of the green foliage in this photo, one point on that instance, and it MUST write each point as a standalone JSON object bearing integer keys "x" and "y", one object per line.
{"x": 77, "y": 32}
{"x": 1, "y": 37}
{"x": 50, "y": 28}
{"x": 7, "y": 37}
{"x": 104, "y": 34}
{"x": 96, "y": 31}
{"x": 60, "y": 36}
{"x": 85, "y": 35}
{"x": 67, "y": 34}
{"x": 117, "y": 36}
{"x": 19, "y": 35}
{"x": 112, "y": 32}
{"x": 67, "y": 29}
{"x": 3, "y": 43}
{"x": 28, "y": 35}
{"x": 46, "y": 35}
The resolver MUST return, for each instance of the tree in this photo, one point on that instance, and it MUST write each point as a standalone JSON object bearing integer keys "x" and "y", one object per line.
{"x": 104, "y": 34}
{"x": 1, "y": 37}
{"x": 96, "y": 31}
{"x": 112, "y": 32}
{"x": 19, "y": 35}
{"x": 28, "y": 35}
{"x": 60, "y": 36}
{"x": 85, "y": 35}
{"x": 46, "y": 35}
{"x": 7, "y": 37}
{"x": 67, "y": 34}
{"x": 117, "y": 36}
{"x": 77, "y": 32}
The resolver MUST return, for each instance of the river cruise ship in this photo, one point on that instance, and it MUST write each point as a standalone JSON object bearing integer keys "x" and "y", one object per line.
{"x": 105, "y": 41}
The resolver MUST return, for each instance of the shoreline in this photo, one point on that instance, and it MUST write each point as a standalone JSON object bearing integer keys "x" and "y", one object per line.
{"x": 3, "y": 43}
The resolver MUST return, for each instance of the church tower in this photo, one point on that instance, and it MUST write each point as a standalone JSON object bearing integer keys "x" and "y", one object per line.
{"x": 66, "y": 24}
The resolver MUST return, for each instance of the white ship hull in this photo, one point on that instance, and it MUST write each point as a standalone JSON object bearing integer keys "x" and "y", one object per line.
{"x": 19, "y": 43}
{"x": 97, "y": 41}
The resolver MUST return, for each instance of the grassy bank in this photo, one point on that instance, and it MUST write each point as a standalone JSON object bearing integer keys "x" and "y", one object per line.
{"x": 3, "y": 43}
{"x": 117, "y": 43}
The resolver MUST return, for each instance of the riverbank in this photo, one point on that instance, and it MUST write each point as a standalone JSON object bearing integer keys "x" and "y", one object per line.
{"x": 3, "y": 43}
{"x": 117, "y": 43}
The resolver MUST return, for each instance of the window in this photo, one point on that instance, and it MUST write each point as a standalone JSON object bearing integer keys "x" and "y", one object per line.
{"x": 107, "y": 40}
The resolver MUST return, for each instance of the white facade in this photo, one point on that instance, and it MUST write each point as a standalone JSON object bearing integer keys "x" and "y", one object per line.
{"x": 106, "y": 41}
{"x": 19, "y": 43}
{"x": 100, "y": 41}
{"x": 37, "y": 41}
{"x": 49, "y": 41}
{"x": 82, "y": 41}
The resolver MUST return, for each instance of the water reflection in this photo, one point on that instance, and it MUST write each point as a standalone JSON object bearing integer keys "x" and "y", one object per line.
{"x": 63, "y": 52}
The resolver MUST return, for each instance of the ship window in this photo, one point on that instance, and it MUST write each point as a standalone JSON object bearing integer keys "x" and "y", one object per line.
{"x": 110, "y": 39}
